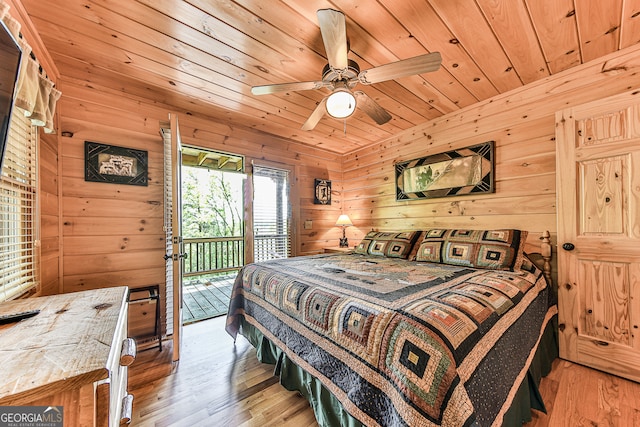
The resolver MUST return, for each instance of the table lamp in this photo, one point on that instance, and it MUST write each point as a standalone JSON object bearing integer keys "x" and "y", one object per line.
{"x": 344, "y": 221}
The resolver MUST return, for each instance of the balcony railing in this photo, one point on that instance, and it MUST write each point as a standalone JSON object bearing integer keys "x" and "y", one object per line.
{"x": 211, "y": 255}
{"x": 207, "y": 255}
{"x": 271, "y": 246}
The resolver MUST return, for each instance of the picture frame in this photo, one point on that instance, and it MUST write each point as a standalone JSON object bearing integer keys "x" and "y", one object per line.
{"x": 115, "y": 165}
{"x": 467, "y": 170}
{"x": 322, "y": 192}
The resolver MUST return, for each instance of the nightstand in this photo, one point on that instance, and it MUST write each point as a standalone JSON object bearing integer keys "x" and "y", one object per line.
{"x": 337, "y": 249}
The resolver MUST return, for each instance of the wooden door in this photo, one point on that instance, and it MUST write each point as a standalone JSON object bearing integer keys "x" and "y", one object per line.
{"x": 598, "y": 187}
{"x": 173, "y": 228}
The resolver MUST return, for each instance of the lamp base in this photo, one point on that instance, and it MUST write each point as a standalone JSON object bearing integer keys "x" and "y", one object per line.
{"x": 344, "y": 243}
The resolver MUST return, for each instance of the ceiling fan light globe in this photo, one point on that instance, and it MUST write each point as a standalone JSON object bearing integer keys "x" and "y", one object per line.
{"x": 341, "y": 104}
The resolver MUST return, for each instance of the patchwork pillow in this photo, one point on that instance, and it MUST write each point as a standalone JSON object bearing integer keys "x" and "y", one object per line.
{"x": 490, "y": 249}
{"x": 363, "y": 246}
{"x": 388, "y": 244}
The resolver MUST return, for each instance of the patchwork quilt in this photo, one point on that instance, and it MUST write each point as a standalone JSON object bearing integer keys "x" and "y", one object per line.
{"x": 400, "y": 343}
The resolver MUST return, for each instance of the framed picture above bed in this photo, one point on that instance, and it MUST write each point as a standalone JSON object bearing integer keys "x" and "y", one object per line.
{"x": 452, "y": 173}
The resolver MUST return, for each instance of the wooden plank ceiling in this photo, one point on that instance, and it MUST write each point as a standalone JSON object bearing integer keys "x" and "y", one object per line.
{"x": 204, "y": 55}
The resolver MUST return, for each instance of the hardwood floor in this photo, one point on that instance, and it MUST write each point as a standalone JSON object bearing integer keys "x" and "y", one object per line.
{"x": 214, "y": 384}
{"x": 217, "y": 384}
{"x": 579, "y": 396}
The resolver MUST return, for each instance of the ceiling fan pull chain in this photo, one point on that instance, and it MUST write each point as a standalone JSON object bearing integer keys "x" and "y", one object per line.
{"x": 345, "y": 127}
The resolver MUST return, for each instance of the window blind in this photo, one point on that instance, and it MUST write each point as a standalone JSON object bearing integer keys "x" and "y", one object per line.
{"x": 168, "y": 223}
{"x": 18, "y": 210}
{"x": 271, "y": 213}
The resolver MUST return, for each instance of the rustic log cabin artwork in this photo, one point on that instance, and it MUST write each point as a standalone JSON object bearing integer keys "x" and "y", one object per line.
{"x": 452, "y": 173}
{"x": 322, "y": 193}
{"x": 112, "y": 164}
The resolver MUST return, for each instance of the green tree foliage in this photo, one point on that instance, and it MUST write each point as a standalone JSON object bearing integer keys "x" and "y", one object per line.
{"x": 211, "y": 203}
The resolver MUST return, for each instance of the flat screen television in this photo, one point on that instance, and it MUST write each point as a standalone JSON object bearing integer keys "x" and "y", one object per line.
{"x": 10, "y": 54}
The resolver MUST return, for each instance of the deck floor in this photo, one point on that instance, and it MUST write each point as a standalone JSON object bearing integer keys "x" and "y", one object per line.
{"x": 206, "y": 297}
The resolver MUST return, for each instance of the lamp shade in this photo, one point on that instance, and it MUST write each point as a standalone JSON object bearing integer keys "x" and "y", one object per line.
{"x": 344, "y": 221}
{"x": 341, "y": 104}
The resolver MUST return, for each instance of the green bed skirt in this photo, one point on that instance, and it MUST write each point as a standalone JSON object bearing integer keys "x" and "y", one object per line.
{"x": 329, "y": 411}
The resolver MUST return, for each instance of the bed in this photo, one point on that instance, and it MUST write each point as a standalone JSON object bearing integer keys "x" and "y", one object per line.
{"x": 423, "y": 328}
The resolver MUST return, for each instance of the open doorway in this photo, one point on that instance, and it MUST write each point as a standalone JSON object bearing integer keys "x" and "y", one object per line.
{"x": 212, "y": 229}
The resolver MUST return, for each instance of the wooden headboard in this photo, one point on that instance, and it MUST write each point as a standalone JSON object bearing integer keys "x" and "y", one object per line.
{"x": 541, "y": 252}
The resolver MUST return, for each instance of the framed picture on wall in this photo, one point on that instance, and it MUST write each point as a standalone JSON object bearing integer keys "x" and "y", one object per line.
{"x": 322, "y": 195}
{"x": 452, "y": 173}
{"x": 112, "y": 164}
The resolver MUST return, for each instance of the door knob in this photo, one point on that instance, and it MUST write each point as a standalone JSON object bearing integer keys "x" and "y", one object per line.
{"x": 166, "y": 257}
{"x": 568, "y": 246}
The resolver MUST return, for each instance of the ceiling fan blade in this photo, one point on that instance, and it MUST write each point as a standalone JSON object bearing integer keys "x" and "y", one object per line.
{"x": 405, "y": 67}
{"x": 286, "y": 87}
{"x": 371, "y": 107}
{"x": 315, "y": 117}
{"x": 333, "y": 27}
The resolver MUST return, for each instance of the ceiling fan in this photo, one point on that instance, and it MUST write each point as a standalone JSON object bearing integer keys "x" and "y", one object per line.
{"x": 342, "y": 74}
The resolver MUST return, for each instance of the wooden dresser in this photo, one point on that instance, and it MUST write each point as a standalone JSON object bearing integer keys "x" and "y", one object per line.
{"x": 73, "y": 354}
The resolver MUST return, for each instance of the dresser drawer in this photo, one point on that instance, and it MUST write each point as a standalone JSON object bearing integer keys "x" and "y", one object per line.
{"x": 111, "y": 393}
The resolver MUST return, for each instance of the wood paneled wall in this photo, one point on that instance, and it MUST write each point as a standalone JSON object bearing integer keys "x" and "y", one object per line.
{"x": 113, "y": 234}
{"x": 49, "y": 215}
{"x": 521, "y": 123}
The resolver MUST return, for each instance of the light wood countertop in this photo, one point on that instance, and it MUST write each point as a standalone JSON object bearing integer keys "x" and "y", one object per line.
{"x": 68, "y": 344}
